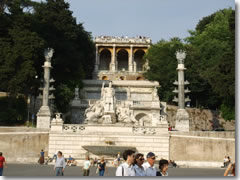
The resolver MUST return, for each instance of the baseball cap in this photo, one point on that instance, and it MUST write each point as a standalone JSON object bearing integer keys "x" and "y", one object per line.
{"x": 150, "y": 154}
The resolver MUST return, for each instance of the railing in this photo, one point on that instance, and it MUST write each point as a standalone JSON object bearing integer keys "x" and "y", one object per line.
{"x": 110, "y": 39}
{"x": 73, "y": 128}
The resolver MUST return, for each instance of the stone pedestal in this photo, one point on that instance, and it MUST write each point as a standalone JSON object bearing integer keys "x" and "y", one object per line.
{"x": 44, "y": 117}
{"x": 76, "y": 112}
{"x": 57, "y": 123}
{"x": 182, "y": 120}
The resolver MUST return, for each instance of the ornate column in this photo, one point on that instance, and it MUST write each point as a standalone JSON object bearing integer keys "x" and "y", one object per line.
{"x": 96, "y": 66}
{"x": 182, "y": 116}
{"x": 113, "y": 59}
{"x": 44, "y": 114}
{"x": 130, "y": 59}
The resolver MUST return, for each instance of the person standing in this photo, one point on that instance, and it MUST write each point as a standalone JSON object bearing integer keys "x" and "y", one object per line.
{"x": 118, "y": 158}
{"x": 126, "y": 168}
{"x": 2, "y": 163}
{"x": 60, "y": 164}
{"x": 149, "y": 165}
{"x": 55, "y": 156}
{"x": 138, "y": 162}
{"x": 225, "y": 161}
{"x": 86, "y": 166}
{"x": 41, "y": 160}
{"x": 232, "y": 168}
{"x": 102, "y": 167}
{"x": 163, "y": 167}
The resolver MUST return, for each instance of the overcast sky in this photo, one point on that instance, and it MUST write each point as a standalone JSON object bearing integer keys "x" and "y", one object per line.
{"x": 157, "y": 19}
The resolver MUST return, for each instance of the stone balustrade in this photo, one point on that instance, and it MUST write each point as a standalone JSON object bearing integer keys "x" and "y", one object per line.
{"x": 111, "y": 39}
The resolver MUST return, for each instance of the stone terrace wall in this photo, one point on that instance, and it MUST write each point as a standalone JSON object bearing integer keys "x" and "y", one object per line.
{"x": 23, "y": 144}
{"x": 201, "y": 149}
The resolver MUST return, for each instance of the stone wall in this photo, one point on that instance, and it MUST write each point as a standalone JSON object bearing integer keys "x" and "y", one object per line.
{"x": 201, "y": 149}
{"x": 23, "y": 144}
{"x": 200, "y": 119}
{"x": 73, "y": 138}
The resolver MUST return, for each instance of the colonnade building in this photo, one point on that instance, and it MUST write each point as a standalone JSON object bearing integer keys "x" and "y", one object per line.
{"x": 120, "y": 58}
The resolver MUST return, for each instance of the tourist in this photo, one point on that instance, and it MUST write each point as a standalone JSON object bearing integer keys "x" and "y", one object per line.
{"x": 172, "y": 162}
{"x": 41, "y": 160}
{"x": 86, "y": 166}
{"x": 55, "y": 156}
{"x": 118, "y": 158}
{"x": 228, "y": 160}
{"x": 225, "y": 160}
{"x": 138, "y": 162}
{"x": 70, "y": 161}
{"x": 60, "y": 164}
{"x": 115, "y": 162}
{"x": 232, "y": 168}
{"x": 149, "y": 165}
{"x": 95, "y": 162}
{"x": 126, "y": 168}
{"x": 163, "y": 167}
{"x": 102, "y": 167}
{"x": 48, "y": 160}
{"x": 2, "y": 163}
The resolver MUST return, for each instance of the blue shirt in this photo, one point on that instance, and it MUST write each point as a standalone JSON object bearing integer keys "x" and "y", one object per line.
{"x": 42, "y": 154}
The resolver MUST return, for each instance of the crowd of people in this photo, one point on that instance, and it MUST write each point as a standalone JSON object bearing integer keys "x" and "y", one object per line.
{"x": 133, "y": 164}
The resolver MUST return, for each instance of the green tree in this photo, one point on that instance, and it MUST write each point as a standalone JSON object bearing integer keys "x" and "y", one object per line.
{"x": 163, "y": 64}
{"x": 214, "y": 48}
{"x": 73, "y": 59}
{"x": 26, "y": 29}
{"x": 18, "y": 49}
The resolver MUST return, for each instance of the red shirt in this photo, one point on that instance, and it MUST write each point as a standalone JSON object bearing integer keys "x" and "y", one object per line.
{"x": 2, "y": 160}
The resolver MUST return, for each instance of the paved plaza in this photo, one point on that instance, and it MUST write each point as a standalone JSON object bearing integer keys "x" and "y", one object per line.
{"x": 47, "y": 170}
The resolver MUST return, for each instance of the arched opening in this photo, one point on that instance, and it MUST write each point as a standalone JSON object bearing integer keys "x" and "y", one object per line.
{"x": 122, "y": 78}
{"x": 104, "y": 78}
{"x": 105, "y": 59}
{"x": 143, "y": 119}
{"x": 122, "y": 60}
{"x": 138, "y": 58}
{"x": 139, "y": 78}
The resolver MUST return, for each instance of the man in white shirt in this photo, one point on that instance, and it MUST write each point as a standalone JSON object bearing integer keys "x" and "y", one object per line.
{"x": 60, "y": 164}
{"x": 149, "y": 165}
{"x": 126, "y": 168}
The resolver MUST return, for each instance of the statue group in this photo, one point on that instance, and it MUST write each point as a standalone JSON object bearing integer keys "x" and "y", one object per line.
{"x": 105, "y": 110}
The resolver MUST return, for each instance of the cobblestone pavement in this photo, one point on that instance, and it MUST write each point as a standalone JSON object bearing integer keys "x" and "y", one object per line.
{"x": 47, "y": 170}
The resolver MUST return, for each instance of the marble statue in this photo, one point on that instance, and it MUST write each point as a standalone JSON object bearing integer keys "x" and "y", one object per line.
{"x": 124, "y": 114}
{"x": 48, "y": 53}
{"x": 108, "y": 98}
{"x": 155, "y": 94}
{"x": 180, "y": 55}
{"x": 94, "y": 112}
{"x": 76, "y": 93}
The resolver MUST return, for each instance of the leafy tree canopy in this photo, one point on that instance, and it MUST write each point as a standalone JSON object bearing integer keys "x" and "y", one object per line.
{"x": 26, "y": 29}
{"x": 210, "y": 62}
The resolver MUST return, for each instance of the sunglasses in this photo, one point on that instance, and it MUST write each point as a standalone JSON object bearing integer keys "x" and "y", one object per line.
{"x": 153, "y": 158}
{"x": 141, "y": 159}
